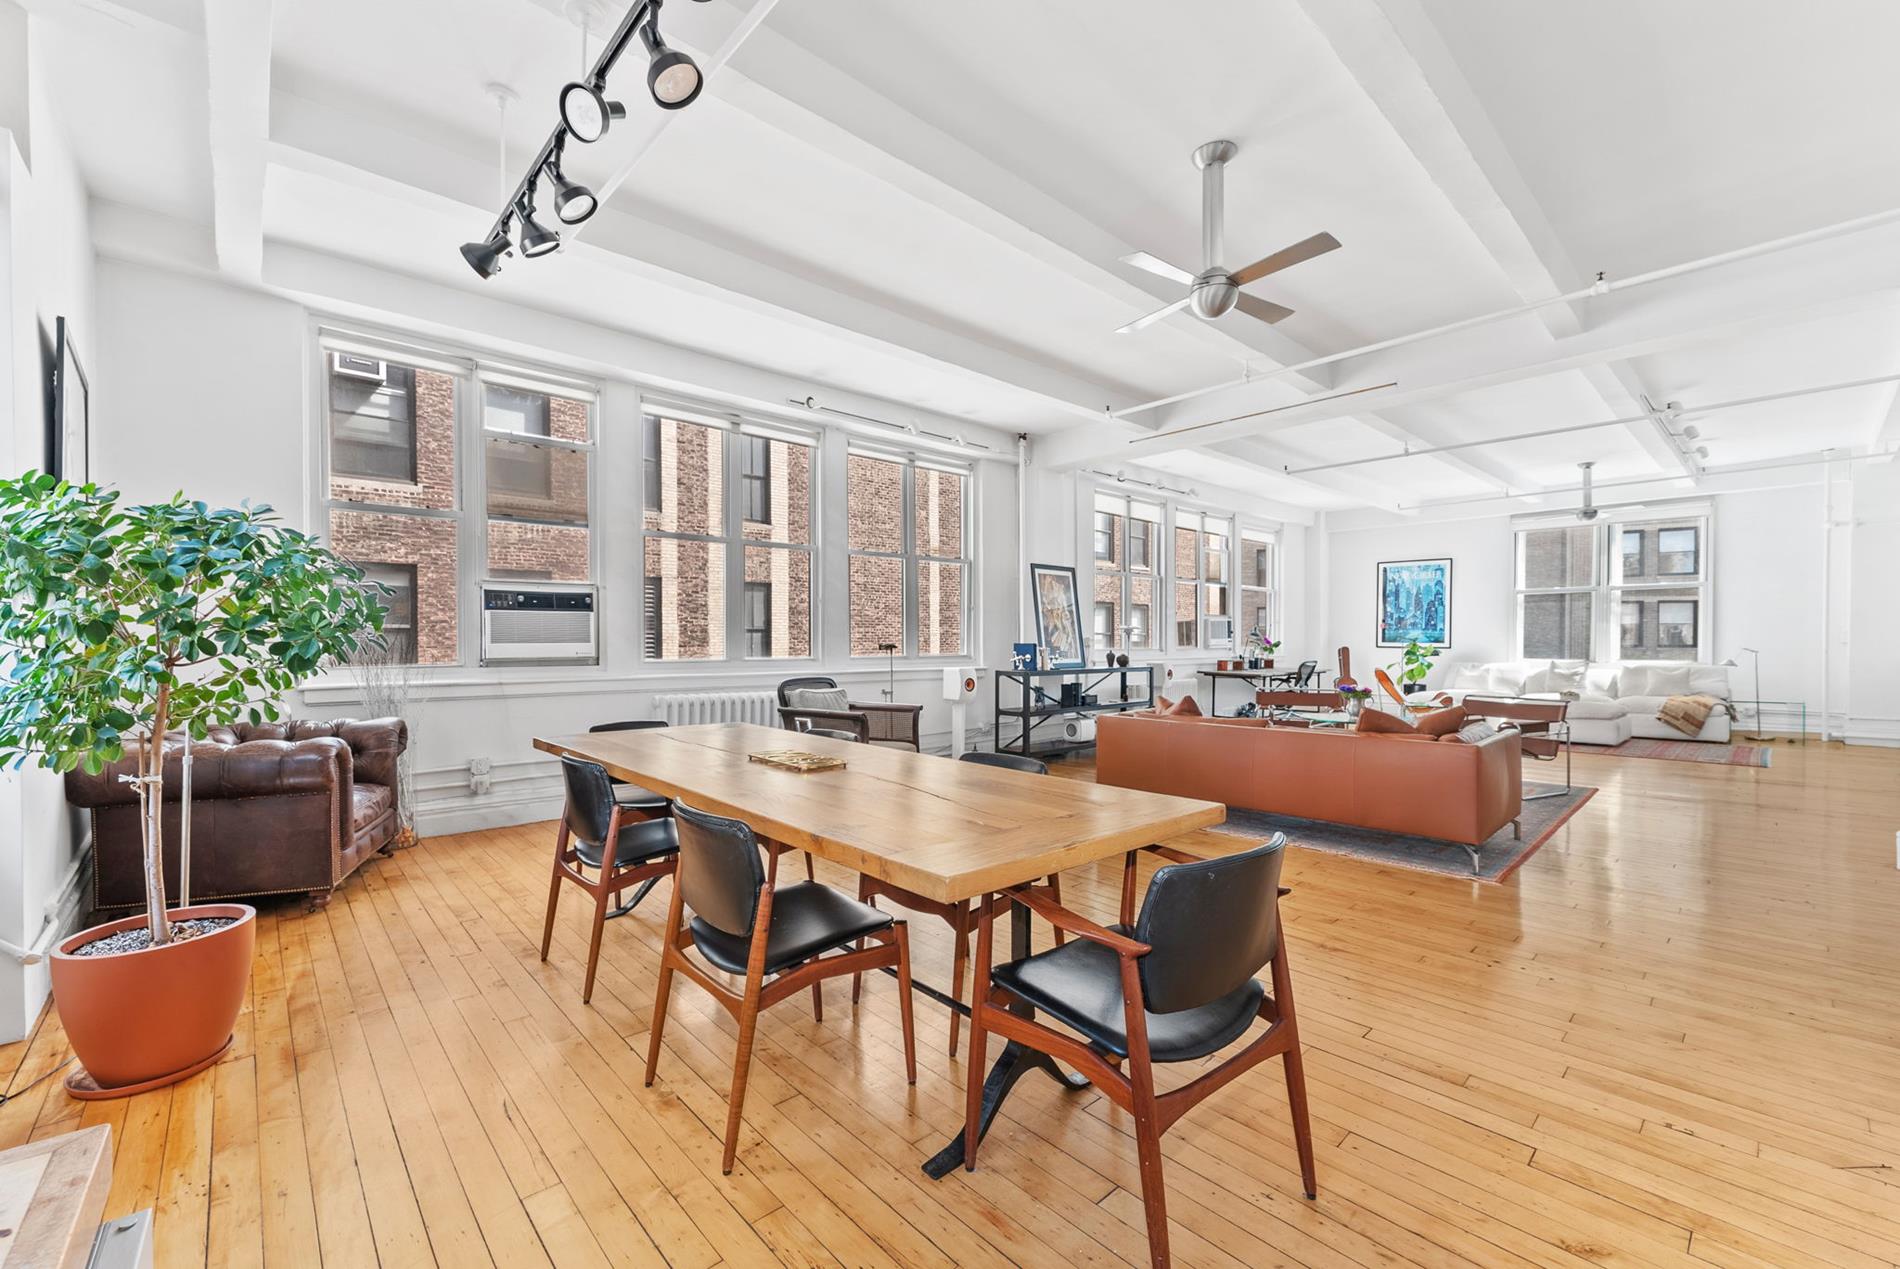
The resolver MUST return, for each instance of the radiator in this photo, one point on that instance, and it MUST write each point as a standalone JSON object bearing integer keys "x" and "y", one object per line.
{"x": 683, "y": 709}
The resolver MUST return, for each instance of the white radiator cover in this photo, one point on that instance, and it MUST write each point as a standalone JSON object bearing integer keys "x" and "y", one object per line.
{"x": 685, "y": 709}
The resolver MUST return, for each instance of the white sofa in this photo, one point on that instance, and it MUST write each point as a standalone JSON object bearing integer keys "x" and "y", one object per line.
{"x": 1615, "y": 699}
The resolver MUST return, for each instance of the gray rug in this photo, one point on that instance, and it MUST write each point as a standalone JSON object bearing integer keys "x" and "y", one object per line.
{"x": 1497, "y": 858}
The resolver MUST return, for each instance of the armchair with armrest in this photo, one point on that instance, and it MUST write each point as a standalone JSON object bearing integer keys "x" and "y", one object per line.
{"x": 818, "y": 701}
{"x": 1174, "y": 983}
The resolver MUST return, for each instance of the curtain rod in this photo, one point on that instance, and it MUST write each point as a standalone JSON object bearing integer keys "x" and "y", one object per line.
{"x": 811, "y": 403}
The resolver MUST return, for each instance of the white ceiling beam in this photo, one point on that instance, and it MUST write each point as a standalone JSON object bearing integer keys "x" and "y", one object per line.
{"x": 1887, "y": 426}
{"x": 781, "y": 84}
{"x": 238, "y": 60}
{"x": 1848, "y": 272}
{"x": 362, "y": 151}
{"x": 1399, "y": 59}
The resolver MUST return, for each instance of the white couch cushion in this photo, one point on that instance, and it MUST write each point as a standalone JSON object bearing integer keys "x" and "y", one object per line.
{"x": 1565, "y": 677}
{"x": 1709, "y": 680}
{"x": 1595, "y": 709}
{"x": 1504, "y": 680}
{"x": 1669, "y": 680}
{"x": 1600, "y": 682}
{"x": 1469, "y": 677}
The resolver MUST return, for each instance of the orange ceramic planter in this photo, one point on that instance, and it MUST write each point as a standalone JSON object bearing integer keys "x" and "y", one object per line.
{"x": 144, "y": 1019}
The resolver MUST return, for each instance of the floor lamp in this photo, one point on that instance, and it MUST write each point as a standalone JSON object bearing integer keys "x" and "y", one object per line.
{"x": 1731, "y": 664}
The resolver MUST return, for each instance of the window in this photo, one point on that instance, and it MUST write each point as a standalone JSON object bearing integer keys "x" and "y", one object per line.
{"x": 1632, "y": 552}
{"x": 394, "y": 587}
{"x": 685, "y": 548}
{"x": 539, "y": 452}
{"x": 1216, "y": 585}
{"x": 1257, "y": 591}
{"x": 1556, "y": 591}
{"x": 392, "y": 486}
{"x": 1203, "y": 613}
{"x": 1661, "y": 599}
{"x": 907, "y": 538}
{"x": 1676, "y": 552}
{"x": 1187, "y": 577}
{"x": 755, "y": 479}
{"x": 1653, "y": 591}
{"x": 1125, "y": 581}
{"x": 758, "y": 619}
{"x": 1108, "y": 532}
{"x": 727, "y": 565}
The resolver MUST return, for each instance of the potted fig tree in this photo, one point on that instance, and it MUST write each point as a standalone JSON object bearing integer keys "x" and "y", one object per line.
{"x": 136, "y": 629}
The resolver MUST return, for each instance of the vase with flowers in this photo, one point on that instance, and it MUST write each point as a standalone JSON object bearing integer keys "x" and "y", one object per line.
{"x": 1260, "y": 649}
{"x": 1353, "y": 696}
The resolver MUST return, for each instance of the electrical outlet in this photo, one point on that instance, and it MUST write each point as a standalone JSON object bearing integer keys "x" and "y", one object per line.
{"x": 480, "y": 766}
{"x": 480, "y": 785}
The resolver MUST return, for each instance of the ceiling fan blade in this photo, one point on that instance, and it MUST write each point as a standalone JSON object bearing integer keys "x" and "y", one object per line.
{"x": 1266, "y": 310}
{"x": 1286, "y": 257}
{"x": 1157, "y": 266}
{"x": 1153, "y": 317}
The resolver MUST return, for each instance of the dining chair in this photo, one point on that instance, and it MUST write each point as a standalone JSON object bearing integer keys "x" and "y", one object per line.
{"x": 740, "y": 924}
{"x": 817, "y": 701}
{"x": 961, "y": 916}
{"x": 1174, "y": 984}
{"x": 645, "y": 803}
{"x": 623, "y": 849}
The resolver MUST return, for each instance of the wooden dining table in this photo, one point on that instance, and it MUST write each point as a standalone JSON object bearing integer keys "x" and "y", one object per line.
{"x": 950, "y": 831}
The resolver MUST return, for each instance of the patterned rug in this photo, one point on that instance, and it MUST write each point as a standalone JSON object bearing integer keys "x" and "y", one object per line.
{"x": 1688, "y": 751}
{"x": 1497, "y": 858}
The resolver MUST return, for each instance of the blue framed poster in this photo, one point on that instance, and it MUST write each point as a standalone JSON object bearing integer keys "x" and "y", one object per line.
{"x": 1414, "y": 603}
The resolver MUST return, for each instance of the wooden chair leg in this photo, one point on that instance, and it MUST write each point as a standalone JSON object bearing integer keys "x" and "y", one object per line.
{"x": 741, "y": 1066}
{"x": 554, "y": 901}
{"x": 959, "y": 965}
{"x": 1302, "y": 1123}
{"x": 864, "y": 896}
{"x": 593, "y": 944}
{"x": 811, "y": 869}
{"x": 1154, "y": 1195}
{"x": 1055, "y": 892}
{"x": 901, "y": 932}
{"x": 817, "y": 1002}
{"x": 974, "y": 1075}
{"x": 663, "y": 992}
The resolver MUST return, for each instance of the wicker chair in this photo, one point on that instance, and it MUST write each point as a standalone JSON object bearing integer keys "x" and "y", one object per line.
{"x": 894, "y": 726}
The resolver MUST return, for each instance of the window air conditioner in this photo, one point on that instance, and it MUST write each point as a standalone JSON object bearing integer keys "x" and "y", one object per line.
{"x": 351, "y": 366}
{"x": 549, "y": 625}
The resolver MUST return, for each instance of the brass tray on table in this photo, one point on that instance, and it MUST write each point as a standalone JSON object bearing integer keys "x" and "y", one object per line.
{"x": 798, "y": 760}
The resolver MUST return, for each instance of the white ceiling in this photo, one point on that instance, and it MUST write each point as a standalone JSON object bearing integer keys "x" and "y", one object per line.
{"x": 925, "y": 203}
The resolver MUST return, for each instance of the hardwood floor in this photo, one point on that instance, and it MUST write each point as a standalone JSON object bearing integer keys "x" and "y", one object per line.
{"x": 1671, "y": 1038}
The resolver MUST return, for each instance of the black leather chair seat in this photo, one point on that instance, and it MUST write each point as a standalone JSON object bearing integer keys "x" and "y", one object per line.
{"x": 1080, "y": 985}
{"x": 639, "y": 841}
{"x": 808, "y": 919}
{"x": 631, "y": 797}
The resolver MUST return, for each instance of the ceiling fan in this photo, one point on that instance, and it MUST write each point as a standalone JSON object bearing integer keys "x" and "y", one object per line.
{"x": 1214, "y": 291}
{"x": 1590, "y": 510}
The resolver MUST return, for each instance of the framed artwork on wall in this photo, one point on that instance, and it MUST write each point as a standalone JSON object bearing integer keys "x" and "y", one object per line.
{"x": 1414, "y": 603}
{"x": 69, "y": 429}
{"x": 1058, "y": 615}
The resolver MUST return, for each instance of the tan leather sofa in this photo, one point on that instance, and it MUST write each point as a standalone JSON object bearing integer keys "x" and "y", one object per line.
{"x": 1456, "y": 792}
{"x": 278, "y": 808}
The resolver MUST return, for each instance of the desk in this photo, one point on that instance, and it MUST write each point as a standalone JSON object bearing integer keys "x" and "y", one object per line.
{"x": 946, "y": 830}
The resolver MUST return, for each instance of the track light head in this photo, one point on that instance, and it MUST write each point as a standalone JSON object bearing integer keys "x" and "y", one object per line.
{"x": 586, "y": 113}
{"x": 573, "y": 202}
{"x": 485, "y": 257}
{"x": 1690, "y": 431}
{"x": 536, "y": 238}
{"x": 672, "y": 77}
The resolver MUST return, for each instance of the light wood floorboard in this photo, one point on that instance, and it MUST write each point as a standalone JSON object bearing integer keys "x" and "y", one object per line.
{"x": 1670, "y": 1039}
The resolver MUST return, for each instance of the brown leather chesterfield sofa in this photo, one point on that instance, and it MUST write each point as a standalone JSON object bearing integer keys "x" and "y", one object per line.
{"x": 1455, "y": 792}
{"x": 279, "y": 808}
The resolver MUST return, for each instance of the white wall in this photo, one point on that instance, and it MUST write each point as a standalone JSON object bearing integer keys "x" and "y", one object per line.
{"x": 1872, "y": 657}
{"x": 1768, "y": 590}
{"x": 205, "y": 387}
{"x": 46, "y": 272}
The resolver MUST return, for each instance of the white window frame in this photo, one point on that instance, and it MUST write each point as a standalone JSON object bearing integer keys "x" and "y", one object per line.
{"x": 733, "y": 428}
{"x": 1609, "y": 589}
{"x": 503, "y": 375}
{"x": 910, "y": 462}
{"x": 1271, "y": 538}
{"x": 1157, "y": 620}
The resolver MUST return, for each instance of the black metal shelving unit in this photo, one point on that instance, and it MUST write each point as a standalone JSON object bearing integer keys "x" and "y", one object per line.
{"x": 1037, "y": 706}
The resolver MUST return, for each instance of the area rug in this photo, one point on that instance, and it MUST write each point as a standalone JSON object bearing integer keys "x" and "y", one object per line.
{"x": 1689, "y": 751}
{"x": 1497, "y": 858}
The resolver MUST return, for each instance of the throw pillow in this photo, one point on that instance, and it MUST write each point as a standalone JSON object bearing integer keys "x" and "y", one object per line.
{"x": 1503, "y": 681}
{"x": 1441, "y": 722}
{"x": 833, "y": 699}
{"x": 1467, "y": 678}
{"x": 1565, "y": 680}
{"x": 1600, "y": 683}
{"x": 1477, "y": 731}
{"x": 1185, "y": 707}
{"x": 1670, "y": 680}
{"x": 1378, "y": 722}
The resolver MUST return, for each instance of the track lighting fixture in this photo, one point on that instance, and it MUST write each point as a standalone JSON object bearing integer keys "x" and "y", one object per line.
{"x": 586, "y": 113}
{"x": 673, "y": 78}
{"x": 573, "y": 202}
{"x": 536, "y": 238}
{"x": 485, "y": 257}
